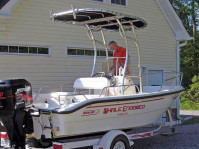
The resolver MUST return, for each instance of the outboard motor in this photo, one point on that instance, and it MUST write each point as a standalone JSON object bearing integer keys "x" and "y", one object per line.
{"x": 15, "y": 97}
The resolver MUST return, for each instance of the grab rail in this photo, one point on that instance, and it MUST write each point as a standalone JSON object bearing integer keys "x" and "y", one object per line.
{"x": 177, "y": 78}
{"x": 71, "y": 94}
{"x": 116, "y": 86}
{"x": 41, "y": 88}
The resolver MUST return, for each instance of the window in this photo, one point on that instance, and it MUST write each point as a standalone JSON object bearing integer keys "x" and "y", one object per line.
{"x": 86, "y": 52}
{"x": 13, "y": 49}
{"x": 98, "y": 0}
{"x": 119, "y": 2}
{"x": 3, "y": 48}
{"x": 27, "y": 50}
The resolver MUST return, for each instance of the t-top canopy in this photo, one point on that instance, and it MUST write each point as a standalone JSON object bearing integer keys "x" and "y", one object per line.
{"x": 99, "y": 18}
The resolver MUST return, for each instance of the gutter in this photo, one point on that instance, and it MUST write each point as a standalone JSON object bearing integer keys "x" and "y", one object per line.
{"x": 178, "y": 49}
{"x": 179, "y": 46}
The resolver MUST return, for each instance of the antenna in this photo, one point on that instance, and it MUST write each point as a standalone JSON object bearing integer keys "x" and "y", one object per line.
{"x": 51, "y": 15}
{"x": 74, "y": 13}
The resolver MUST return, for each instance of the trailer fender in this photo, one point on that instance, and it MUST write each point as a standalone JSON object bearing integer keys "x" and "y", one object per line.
{"x": 109, "y": 137}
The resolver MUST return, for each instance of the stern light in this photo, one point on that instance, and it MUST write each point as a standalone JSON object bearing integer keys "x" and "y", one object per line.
{"x": 57, "y": 146}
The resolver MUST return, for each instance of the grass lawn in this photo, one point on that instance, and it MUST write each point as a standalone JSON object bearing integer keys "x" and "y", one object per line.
{"x": 189, "y": 105}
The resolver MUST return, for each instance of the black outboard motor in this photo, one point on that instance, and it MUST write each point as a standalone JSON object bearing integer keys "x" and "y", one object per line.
{"x": 15, "y": 97}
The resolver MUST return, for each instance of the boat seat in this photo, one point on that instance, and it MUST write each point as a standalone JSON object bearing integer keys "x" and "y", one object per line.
{"x": 91, "y": 83}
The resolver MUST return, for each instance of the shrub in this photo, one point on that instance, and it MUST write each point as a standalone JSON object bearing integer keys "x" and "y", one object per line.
{"x": 190, "y": 98}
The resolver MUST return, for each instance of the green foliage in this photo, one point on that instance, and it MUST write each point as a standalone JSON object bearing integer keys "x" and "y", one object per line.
{"x": 188, "y": 105}
{"x": 189, "y": 53}
{"x": 188, "y": 11}
{"x": 190, "y": 98}
{"x": 184, "y": 11}
{"x": 190, "y": 62}
{"x": 195, "y": 79}
{"x": 193, "y": 92}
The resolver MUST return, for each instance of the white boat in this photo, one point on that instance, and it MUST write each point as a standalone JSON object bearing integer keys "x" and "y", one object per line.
{"x": 112, "y": 101}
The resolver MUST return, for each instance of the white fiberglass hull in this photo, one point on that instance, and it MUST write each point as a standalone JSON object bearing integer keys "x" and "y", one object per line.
{"x": 104, "y": 116}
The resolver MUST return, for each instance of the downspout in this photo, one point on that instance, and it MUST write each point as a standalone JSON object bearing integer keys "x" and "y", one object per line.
{"x": 179, "y": 45}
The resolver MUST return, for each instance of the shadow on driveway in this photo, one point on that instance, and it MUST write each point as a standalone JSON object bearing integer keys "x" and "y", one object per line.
{"x": 187, "y": 139}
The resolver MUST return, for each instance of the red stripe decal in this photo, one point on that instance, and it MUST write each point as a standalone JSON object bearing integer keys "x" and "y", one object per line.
{"x": 22, "y": 95}
{"x": 124, "y": 103}
{"x": 2, "y": 97}
{"x": 153, "y": 100}
{"x": 142, "y": 136}
{"x": 1, "y": 94}
{"x": 109, "y": 105}
{"x": 27, "y": 96}
{"x": 4, "y": 136}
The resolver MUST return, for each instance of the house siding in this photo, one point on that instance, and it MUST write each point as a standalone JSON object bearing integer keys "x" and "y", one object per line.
{"x": 31, "y": 25}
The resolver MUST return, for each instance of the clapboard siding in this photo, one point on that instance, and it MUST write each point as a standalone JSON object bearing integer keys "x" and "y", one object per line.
{"x": 31, "y": 25}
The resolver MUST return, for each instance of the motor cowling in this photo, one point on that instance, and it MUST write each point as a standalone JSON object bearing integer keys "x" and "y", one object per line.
{"x": 15, "y": 97}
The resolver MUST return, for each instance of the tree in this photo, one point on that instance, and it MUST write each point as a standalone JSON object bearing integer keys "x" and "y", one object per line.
{"x": 188, "y": 11}
{"x": 193, "y": 15}
{"x": 189, "y": 62}
{"x": 172, "y": 2}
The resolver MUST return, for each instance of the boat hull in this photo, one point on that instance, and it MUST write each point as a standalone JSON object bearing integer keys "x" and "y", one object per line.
{"x": 105, "y": 116}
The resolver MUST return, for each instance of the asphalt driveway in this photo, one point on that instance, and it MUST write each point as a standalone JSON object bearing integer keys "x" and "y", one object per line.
{"x": 188, "y": 137}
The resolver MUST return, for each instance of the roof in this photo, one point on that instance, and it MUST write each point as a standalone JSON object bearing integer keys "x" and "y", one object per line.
{"x": 174, "y": 20}
{"x": 7, "y": 6}
{"x": 97, "y": 18}
{"x": 3, "y": 3}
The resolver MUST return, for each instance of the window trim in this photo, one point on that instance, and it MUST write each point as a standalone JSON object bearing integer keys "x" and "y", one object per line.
{"x": 119, "y": 4}
{"x": 26, "y": 45}
{"x": 85, "y": 48}
{"x": 155, "y": 69}
{"x": 97, "y": 1}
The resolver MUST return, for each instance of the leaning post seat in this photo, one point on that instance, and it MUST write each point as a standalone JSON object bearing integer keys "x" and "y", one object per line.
{"x": 91, "y": 83}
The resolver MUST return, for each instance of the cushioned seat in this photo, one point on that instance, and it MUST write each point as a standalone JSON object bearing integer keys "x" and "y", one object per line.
{"x": 91, "y": 83}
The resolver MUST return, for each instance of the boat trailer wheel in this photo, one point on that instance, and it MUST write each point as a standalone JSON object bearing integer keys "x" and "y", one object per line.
{"x": 45, "y": 142}
{"x": 120, "y": 142}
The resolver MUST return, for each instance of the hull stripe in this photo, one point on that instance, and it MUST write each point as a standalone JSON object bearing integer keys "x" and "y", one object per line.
{"x": 123, "y": 103}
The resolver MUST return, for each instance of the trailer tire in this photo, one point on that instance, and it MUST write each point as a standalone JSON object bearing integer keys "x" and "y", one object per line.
{"x": 120, "y": 141}
{"x": 32, "y": 142}
{"x": 44, "y": 143}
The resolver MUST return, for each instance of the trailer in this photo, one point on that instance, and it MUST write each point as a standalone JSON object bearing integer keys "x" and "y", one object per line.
{"x": 114, "y": 139}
